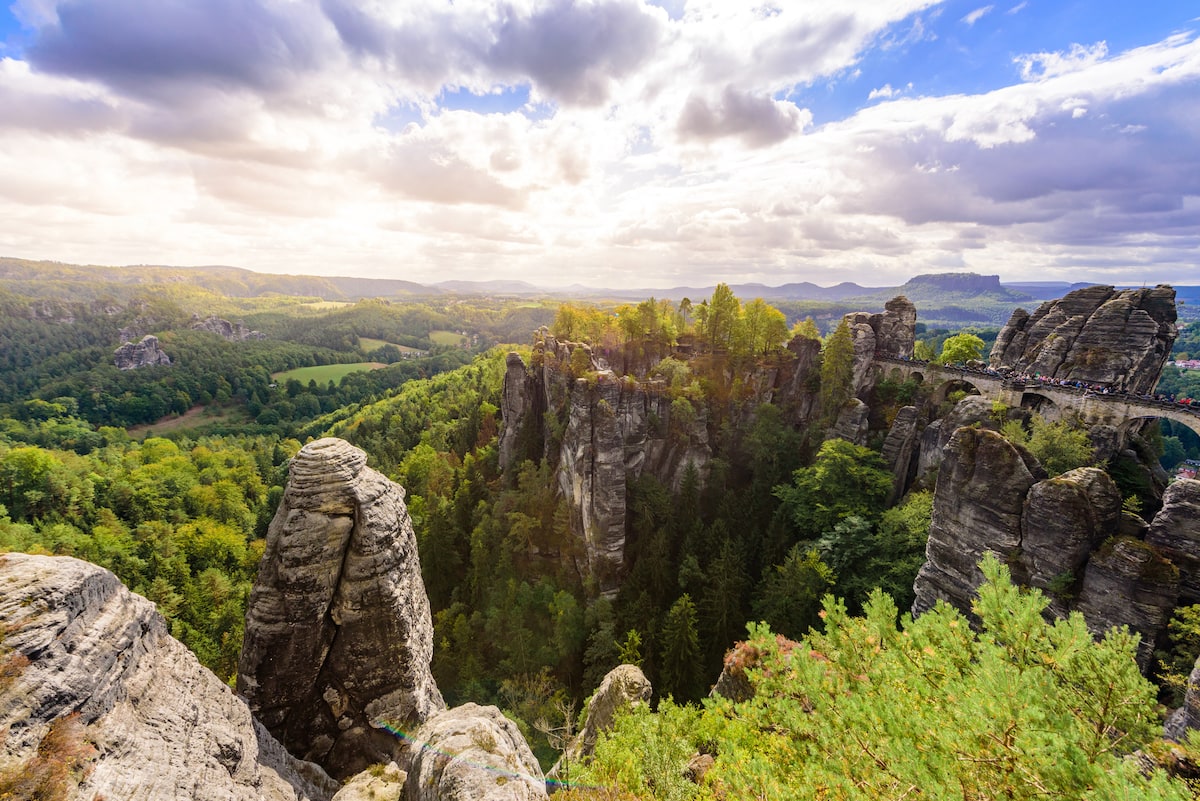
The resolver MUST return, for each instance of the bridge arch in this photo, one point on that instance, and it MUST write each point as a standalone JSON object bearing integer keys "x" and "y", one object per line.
{"x": 949, "y": 385}
{"x": 1040, "y": 403}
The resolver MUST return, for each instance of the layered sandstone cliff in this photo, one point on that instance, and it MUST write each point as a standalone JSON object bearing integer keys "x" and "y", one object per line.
{"x": 159, "y": 725}
{"x": 338, "y": 630}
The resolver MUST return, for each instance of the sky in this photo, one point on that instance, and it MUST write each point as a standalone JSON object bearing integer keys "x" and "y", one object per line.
{"x": 619, "y": 143}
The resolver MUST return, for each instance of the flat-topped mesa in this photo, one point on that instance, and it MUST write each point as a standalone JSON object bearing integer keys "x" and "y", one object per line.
{"x": 88, "y": 662}
{"x": 1099, "y": 335}
{"x": 339, "y": 635}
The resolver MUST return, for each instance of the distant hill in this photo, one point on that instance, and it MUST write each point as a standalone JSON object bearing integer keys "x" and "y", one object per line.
{"x": 32, "y": 278}
{"x": 942, "y": 299}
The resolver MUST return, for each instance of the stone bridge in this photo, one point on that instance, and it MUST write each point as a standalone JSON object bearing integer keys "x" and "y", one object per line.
{"x": 1053, "y": 401}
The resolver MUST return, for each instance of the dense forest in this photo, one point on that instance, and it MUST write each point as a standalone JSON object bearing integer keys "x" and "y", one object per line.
{"x": 783, "y": 521}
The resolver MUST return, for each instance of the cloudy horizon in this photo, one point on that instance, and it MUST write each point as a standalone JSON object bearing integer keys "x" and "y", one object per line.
{"x": 607, "y": 143}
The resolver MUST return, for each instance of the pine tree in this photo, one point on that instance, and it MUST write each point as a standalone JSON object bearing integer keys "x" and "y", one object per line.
{"x": 680, "y": 668}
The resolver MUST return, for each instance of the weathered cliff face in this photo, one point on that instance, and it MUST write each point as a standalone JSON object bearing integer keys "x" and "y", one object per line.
{"x": 338, "y": 631}
{"x": 163, "y": 726}
{"x": 1065, "y": 535}
{"x": 972, "y": 410}
{"x": 977, "y": 504}
{"x": 901, "y": 449}
{"x": 471, "y": 753}
{"x": 145, "y": 353}
{"x": 1097, "y": 334}
{"x": 234, "y": 332}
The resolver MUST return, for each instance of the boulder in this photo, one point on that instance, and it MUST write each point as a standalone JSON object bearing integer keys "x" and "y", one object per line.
{"x": 471, "y": 753}
{"x": 338, "y": 636}
{"x": 162, "y": 726}
{"x": 146, "y": 353}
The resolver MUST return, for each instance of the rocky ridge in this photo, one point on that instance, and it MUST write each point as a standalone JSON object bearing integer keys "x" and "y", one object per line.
{"x": 233, "y": 332}
{"x": 338, "y": 630}
{"x": 161, "y": 725}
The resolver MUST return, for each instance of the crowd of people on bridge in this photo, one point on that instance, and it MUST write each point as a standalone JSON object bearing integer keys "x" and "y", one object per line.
{"x": 1013, "y": 378}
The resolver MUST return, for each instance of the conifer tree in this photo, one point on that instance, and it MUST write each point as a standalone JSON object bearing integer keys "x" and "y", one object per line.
{"x": 837, "y": 371}
{"x": 680, "y": 668}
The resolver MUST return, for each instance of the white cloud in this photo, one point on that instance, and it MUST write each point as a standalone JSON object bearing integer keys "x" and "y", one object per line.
{"x": 976, "y": 15}
{"x": 663, "y": 150}
{"x": 1038, "y": 66}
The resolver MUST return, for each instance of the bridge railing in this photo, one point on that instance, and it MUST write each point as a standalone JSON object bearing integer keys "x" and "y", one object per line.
{"x": 1078, "y": 388}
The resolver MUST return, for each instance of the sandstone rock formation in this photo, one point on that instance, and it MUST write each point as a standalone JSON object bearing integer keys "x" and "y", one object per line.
{"x": 1096, "y": 334}
{"x": 625, "y": 687}
{"x": 1176, "y": 532}
{"x": 338, "y": 630}
{"x": 891, "y": 333}
{"x": 234, "y": 332}
{"x": 471, "y": 753}
{"x": 852, "y": 423}
{"x": 163, "y": 726}
{"x": 1065, "y": 535}
{"x": 146, "y": 353}
{"x": 972, "y": 410}
{"x": 1129, "y": 583}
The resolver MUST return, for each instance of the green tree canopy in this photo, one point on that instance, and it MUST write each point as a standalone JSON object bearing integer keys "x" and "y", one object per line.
{"x": 961, "y": 348}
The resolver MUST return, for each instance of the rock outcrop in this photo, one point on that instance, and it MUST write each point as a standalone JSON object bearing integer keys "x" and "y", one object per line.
{"x": 852, "y": 423}
{"x": 1097, "y": 334}
{"x": 624, "y": 688}
{"x": 145, "y": 353}
{"x": 1175, "y": 531}
{"x": 471, "y": 753}
{"x": 338, "y": 631}
{"x": 162, "y": 725}
{"x": 1065, "y": 535}
{"x": 233, "y": 332}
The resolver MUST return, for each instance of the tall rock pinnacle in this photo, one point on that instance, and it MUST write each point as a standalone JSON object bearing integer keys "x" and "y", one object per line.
{"x": 338, "y": 631}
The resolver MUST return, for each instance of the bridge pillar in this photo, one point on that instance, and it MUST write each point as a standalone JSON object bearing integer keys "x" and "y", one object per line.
{"x": 1010, "y": 396}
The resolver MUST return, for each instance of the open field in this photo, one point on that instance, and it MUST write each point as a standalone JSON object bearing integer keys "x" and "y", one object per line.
{"x": 325, "y": 305}
{"x": 446, "y": 338}
{"x": 370, "y": 344}
{"x": 193, "y": 418}
{"x": 326, "y": 373}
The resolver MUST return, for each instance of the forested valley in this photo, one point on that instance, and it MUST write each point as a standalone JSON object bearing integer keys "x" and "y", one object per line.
{"x": 781, "y": 521}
